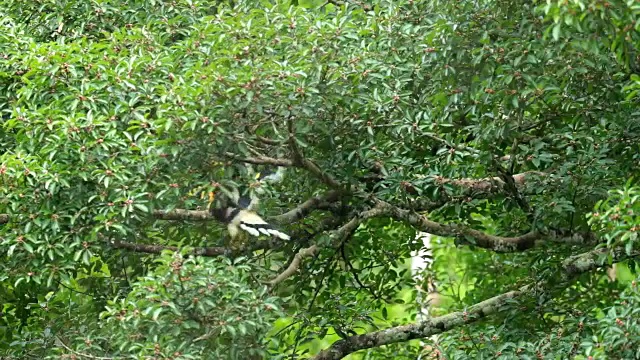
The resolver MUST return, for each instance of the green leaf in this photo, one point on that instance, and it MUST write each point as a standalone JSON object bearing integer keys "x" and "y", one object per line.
{"x": 156, "y": 313}
{"x": 556, "y": 31}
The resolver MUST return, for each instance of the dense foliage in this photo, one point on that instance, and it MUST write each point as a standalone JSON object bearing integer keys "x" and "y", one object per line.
{"x": 510, "y": 130}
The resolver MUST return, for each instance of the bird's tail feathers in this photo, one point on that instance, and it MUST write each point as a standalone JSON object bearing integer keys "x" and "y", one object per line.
{"x": 265, "y": 229}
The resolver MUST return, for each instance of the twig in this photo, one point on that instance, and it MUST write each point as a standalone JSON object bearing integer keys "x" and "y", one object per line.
{"x": 72, "y": 289}
{"x": 268, "y": 141}
{"x": 354, "y": 272}
{"x": 88, "y": 356}
{"x": 324, "y": 274}
{"x": 206, "y": 336}
{"x": 452, "y": 146}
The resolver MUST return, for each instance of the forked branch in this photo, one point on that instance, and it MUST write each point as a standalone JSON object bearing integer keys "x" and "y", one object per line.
{"x": 570, "y": 268}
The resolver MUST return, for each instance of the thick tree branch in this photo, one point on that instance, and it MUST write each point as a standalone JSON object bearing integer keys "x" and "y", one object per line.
{"x": 466, "y": 234}
{"x": 182, "y": 214}
{"x": 481, "y": 239}
{"x": 570, "y": 268}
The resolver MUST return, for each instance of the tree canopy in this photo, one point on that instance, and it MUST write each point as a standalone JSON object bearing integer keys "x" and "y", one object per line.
{"x": 508, "y": 130}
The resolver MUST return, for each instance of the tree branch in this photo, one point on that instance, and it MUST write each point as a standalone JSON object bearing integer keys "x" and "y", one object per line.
{"x": 466, "y": 234}
{"x": 294, "y": 265}
{"x": 260, "y": 160}
{"x": 477, "y": 185}
{"x": 300, "y": 161}
{"x": 306, "y": 208}
{"x": 200, "y": 251}
{"x": 182, "y": 214}
{"x": 340, "y": 235}
{"x": 488, "y": 185}
{"x": 481, "y": 239}
{"x": 570, "y": 267}
{"x": 337, "y": 239}
{"x": 77, "y": 353}
{"x": 268, "y": 141}
{"x": 451, "y": 145}
{"x": 156, "y": 249}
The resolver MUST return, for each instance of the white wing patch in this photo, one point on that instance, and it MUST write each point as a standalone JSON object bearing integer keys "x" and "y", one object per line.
{"x": 255, "y": 225}
{"x": 249, "y": 229}
{"x": 279, "y": 234}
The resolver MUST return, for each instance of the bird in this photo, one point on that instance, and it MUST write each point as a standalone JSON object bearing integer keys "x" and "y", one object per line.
{"x": 239, "y": 213}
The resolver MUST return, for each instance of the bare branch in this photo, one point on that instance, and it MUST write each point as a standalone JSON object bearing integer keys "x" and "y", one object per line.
{"x": 306, "y": 208}
{"x": 260, "y": 160}
{"x": 156, "y": 249}
{"x": 300, "y": 161}
{"x": 77, "y": 353}
{"x": 571, "y": 267}
{"x": 340, "y": 235}
{"x": 199, "y": 251}
{"x": 175, "y": 214}
{"x": 488, "y": 184}
{"x": 182, "y": 214}
{"x": 423, "y": 329}
{"x": 295, "y": 264}
{"x": 337, "y": 239}
{"x": 478, "y": 238}
{"x": 268, "y": 141}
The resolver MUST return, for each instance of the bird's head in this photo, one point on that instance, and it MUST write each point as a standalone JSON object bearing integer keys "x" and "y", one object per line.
{"x": 221, "y": 201}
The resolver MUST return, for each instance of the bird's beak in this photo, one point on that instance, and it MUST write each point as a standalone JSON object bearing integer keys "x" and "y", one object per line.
{"x": 212, "y": 197}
